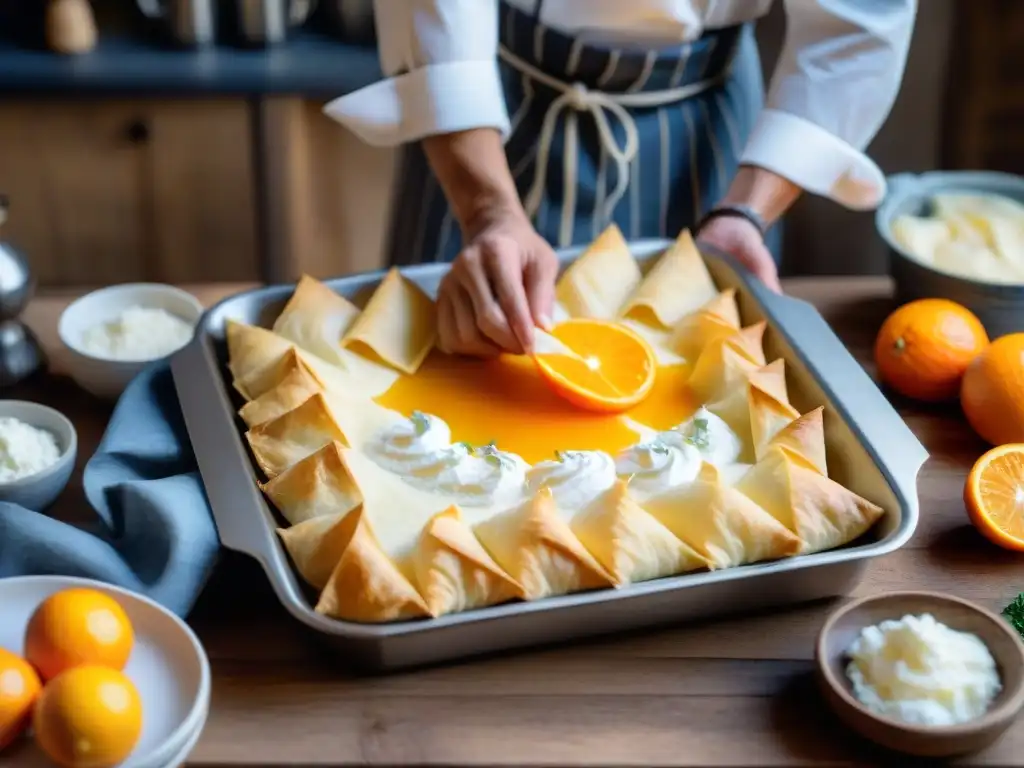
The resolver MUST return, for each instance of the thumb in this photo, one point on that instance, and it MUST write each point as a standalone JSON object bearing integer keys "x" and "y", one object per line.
{"x": 758, "y": 259}
{"x": 539, "y": 275}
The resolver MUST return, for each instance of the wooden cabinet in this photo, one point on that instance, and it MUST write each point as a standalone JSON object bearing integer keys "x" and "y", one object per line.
{"x": 117, "y": 190}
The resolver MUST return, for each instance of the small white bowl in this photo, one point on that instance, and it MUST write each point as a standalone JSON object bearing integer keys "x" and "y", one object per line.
{"x": 101, "y": 376}
{"x": 39, "y": 491}
{"x": 168, "y": 667}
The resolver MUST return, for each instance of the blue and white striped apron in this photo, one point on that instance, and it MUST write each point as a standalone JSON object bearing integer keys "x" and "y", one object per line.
{"x": 648, "y": 139}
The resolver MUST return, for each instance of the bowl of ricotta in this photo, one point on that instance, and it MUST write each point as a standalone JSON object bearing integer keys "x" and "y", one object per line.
{"x": 921, "y": 672}
{"x": 38, "y": 446}
{"x": 958, "y": 235}
{"x": 113, "y": 333}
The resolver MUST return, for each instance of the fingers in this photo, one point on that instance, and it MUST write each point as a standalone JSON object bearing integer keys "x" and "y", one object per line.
{"x": 505, "y": 270}
{"x": 539, "y": 283}
{"x": 759, "y": 261}
{"x": 457, "y": 332}
{"x": 471, "y": 272}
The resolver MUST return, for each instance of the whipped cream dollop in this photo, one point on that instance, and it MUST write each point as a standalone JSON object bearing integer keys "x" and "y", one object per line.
{"x": 709, "y": 434}
{"x": 420, "y": 451}
{"x": 575, "y": 478}
{"x": 656, "y": 466}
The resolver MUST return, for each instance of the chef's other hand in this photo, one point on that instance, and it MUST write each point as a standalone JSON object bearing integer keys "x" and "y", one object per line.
{"x": 741, "y": 239}
{"x": 500, "y": 287}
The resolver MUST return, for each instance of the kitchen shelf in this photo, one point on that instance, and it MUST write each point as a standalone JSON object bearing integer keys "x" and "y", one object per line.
{"x": 311, "y": 64}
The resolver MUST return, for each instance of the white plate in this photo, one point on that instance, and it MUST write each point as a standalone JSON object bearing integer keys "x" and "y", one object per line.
{"x": 167, "y": 665}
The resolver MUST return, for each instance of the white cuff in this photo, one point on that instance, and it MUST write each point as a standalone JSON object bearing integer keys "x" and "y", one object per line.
{"x": 438, "y": 98}
{"x": 814, "y": 159}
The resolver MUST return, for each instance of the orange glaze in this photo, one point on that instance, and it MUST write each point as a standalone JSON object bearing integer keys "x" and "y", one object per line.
{"x": 507, "y": 401}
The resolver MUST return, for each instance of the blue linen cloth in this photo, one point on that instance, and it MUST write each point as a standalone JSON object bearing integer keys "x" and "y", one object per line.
{"x": 155, "y": 533}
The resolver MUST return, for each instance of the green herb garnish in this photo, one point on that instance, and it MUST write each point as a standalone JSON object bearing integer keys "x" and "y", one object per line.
{"x": 420, "y": 422}
{"x": 465, "y": 445}
{"x": 700, "y": 438}
{"x": 1014, "y": 613}
{"x": 657, "y": 447}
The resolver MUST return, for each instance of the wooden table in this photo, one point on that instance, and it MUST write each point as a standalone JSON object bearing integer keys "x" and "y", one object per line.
{"x": 732, "y": 692}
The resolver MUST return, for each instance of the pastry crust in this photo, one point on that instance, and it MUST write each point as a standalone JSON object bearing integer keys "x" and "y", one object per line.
{"x": 319, "y": 485}
{"x": 366, "y": 585}
{"x": 720, "y": 523}
{"x": 629, "y": 543}
{"x": 298, "y": 384}
{"x": 822, "y": 513}
{"x": 256, "y": 358}
{"x": 804, "y": 438}
{"x": 601, "y": 279}
{"x": 316, "y": 319}
{"x": 727, "y": 363}
{"x": 677, "y": 285}
{"x": 315, "y": 547}
{"x": 280, "y": 443}
{"x": 399, "y": 324}
{"x": 536, "y": 548}
{"x": 453, "y": 570}
{"x": 719, "y": 318}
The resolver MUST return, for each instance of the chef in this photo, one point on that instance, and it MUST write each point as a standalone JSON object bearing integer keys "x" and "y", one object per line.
{"x": 536, "y": 123}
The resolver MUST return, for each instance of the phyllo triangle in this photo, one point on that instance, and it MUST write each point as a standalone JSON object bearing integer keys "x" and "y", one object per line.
{"x": 297, "y": 385}
{"x": 629, "y": 543}
{"x": 399, "y": 324}
{"x": 317, "y": 486}
{"x": 720, "y": 523}
{"x": 718, "y": 318}
{"x": 677, "y": 285}
{"x": 316, "y": 319}
{"x": 279, "y": 443}
{"x": 366, "y": 585}
{"x": 536, "y": 547}
{"x": 599, "y": 281}
{"x": 727, "y": 362}
{"x": 822, "y": 513}
{"x": 453, "y": 570}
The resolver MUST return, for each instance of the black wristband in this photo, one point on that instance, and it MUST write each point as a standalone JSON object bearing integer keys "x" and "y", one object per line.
{"x": 734, "y": 211}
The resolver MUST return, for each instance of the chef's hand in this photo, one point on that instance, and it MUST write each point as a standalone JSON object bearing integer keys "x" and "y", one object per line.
{"x": 499, "y": 288}
{"x": 742, "y": 240}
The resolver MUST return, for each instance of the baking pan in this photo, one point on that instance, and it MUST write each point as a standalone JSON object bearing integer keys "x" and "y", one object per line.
{"x": 870, "y": 450}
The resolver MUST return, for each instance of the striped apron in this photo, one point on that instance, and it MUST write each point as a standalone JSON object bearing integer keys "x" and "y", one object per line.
{"x": 647, "y": 139}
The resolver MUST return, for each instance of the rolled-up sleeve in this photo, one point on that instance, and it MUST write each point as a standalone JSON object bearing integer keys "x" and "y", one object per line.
{"x": 440, "y": 59}
{"x": 837, "y": 78}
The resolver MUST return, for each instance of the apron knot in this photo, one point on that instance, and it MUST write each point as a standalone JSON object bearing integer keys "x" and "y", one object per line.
{"x": 578, "y": 97}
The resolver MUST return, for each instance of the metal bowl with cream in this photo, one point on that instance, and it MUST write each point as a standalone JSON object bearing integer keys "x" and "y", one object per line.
{"x": 958, "y": 235}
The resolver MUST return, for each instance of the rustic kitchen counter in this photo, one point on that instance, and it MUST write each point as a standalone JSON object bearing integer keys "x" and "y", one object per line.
{"x": 730, "y": 692}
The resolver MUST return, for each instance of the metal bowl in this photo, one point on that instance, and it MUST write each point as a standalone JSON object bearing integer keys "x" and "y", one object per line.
{"x": 1000, "y": 307}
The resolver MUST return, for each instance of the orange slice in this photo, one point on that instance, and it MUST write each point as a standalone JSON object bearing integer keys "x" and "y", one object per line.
{"x": 603, "y": 367}
{"x": 994, "y": 496}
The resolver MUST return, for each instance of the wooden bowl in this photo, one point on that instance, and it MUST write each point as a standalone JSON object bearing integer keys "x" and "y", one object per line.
{"x": 845, "y": 624}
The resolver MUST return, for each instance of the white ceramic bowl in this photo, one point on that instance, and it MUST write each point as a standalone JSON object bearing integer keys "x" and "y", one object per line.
{"x": 103, "y": 377}
{"x": 39, "y": 491}
{"x": 167, "y": 665}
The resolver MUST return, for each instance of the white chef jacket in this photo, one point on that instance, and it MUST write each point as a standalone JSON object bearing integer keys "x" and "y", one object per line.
{"x": 835, "y": 82}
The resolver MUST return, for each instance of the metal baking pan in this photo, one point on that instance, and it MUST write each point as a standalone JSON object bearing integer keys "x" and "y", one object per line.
{"x": 870, "y": 450}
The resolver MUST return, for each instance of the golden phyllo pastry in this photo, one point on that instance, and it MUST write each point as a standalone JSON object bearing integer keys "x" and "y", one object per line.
{"x": 677, "y": 285}
{"x": 727, "y": 362}
{"x": 399, "y": 324}
{"x": 317, "y": 486}
{"x": 316, "y": 318}
{"x": 257, "y": 358}
{"x": 453, "y": 570}
{"x": 278, "y": 444}
{"x": 298, "y": 384}
{"x": 600, "y": 280}
{"x": 718, "y": 318}
{"x": 822, "y": 513}
{"x": 629, "y": 543}
{"x": 366, "y": 585}
{"x": 316, "y": 545}
{"x": 537, "y": 548}
{"x": 722, "y": 524}
{"x": 762, "y": 399}
{"x": 804, "y": 438}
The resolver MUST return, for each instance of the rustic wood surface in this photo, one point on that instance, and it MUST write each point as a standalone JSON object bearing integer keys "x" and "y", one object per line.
{"x": 723, "y": 693}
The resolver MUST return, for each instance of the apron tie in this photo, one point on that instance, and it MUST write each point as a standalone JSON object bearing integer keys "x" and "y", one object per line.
{"x": 576, "y": 97}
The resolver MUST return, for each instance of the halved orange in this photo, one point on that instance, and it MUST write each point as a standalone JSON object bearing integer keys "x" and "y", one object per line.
{"x": 994, "y": 495}
{"x": 606, "y": 367}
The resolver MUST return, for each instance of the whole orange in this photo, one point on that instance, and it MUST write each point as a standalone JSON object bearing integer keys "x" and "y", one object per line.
{"x": 924, "y": 347}
{"x": 992, "y": 393}
{"x": 78, "y": 626}
{"x": 19, "y": 689}
{"x": 88, "y": 717}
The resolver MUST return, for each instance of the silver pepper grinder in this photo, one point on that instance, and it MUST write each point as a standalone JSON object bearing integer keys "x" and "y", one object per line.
{"x": 20, "y": 353}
